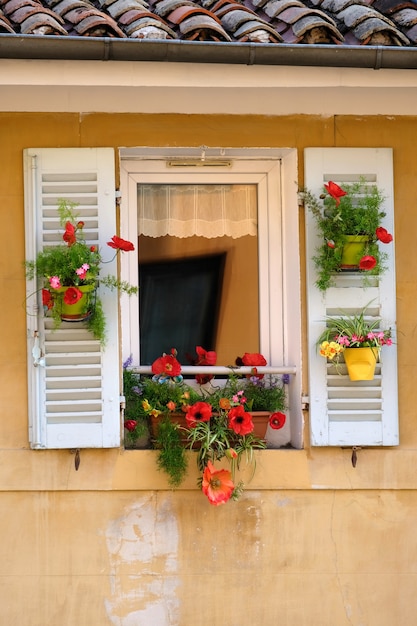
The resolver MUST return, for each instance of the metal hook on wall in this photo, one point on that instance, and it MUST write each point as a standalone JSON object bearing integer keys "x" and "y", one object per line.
{"x": 354, "y": 455}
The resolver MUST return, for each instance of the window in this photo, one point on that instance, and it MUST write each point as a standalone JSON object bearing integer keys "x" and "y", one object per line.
{"x": 266, "y": 319}
{"x": 74, "y": 394}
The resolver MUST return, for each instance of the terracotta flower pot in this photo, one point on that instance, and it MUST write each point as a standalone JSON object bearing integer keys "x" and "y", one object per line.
{"x": 361, "y": 362}
{"x": 260, "y": 421}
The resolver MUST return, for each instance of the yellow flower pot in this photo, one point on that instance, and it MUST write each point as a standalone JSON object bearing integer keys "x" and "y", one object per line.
{"x": 353, "y": 250}
{"x": 361, "y": 362}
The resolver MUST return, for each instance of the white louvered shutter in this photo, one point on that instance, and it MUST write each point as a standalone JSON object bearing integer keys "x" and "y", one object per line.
{"x": 73, "y": 382}
{"x": 345, "y": 413}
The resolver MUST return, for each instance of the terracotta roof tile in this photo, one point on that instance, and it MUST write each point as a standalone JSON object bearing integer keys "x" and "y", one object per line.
{"x": 342, "y": 22}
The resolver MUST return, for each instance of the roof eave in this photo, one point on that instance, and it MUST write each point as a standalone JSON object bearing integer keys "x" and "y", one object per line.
{"x": 173, "y": 51}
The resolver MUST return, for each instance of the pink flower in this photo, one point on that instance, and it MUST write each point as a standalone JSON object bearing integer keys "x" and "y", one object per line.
{"x": 82, "y": 271}
{"x": 55, "y": 282}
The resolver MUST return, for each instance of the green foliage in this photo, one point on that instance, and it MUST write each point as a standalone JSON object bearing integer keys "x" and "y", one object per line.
{"x": 359, "y": 213}
{"x": 262, "y": 394}
{"x": 355, "y": 331}
{"x": 171, "y": 458}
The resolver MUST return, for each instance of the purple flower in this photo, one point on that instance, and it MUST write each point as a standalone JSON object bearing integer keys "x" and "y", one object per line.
{"x": 137, "y": 390}
{"x": 128, "y": 362}
{"x": 286, "y": 379}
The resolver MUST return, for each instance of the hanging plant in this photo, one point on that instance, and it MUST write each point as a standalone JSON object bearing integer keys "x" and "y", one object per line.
{"x": 349, "y": 219}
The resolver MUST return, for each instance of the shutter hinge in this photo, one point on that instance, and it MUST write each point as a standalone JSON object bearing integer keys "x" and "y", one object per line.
{"x": 37, "y": 354}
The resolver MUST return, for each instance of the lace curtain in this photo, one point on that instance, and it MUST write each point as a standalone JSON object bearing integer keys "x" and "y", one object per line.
{"x": 197, "y": 210}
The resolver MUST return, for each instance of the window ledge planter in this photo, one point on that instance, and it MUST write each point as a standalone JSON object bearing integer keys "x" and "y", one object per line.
{"x": 215, "y": 421}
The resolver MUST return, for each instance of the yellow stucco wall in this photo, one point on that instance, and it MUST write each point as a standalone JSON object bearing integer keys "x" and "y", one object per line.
{"x": 313, "y": 541}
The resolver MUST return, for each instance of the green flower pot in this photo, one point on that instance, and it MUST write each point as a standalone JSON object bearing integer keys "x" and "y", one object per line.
{"x": 353, "y": 251}
{"x": 80, "y": 310}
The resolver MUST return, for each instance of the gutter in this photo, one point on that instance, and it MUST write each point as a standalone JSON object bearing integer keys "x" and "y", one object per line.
{"x": 173, "y": 51}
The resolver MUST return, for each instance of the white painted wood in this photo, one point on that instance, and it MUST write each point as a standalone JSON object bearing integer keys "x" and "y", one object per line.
{"x": 74, "y": 390}
{"x": 343, "y": 413}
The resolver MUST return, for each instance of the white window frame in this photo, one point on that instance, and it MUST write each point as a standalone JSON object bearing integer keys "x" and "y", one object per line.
{"x": 274, "y": 172}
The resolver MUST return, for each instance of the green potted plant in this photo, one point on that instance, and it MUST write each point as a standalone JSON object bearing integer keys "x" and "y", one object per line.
{"x": 70, "y": 274}
{"x": 349, "y": 222}
{"x": 215, "y": 422}
{"x": 355, "y": 339}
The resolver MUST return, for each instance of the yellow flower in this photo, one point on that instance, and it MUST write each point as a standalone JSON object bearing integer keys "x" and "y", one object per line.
{"x": 330, "y": 349}
{"x": 146, "y": 406}
{"x": 155, "y": 413}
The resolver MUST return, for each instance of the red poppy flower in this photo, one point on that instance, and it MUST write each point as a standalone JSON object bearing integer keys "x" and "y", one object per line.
{"x": 72, "y": 295}
{"x": 205, "y": 357}
{"x": 130, "y": 425}
{"x": 120, "y": 244}
{"x": 335, "y": 191}
{"x": 166, "y": 364}
{"x": 80, "y": 225}
{"x": 198, "y": 412}
{"x": 253, "y": 359}
{"x": 367, "y": 262}
{"x": 240, "y": 421}
{"x": 277, "y": 420}
{"x": 217, "y": 485}
{"x": 69, "y": 235}
{"x": 383, "y": 235}
{"x": 47, "y": 299}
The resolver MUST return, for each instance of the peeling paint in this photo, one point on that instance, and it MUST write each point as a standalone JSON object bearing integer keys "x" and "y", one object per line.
{"x": 143, "y": 552}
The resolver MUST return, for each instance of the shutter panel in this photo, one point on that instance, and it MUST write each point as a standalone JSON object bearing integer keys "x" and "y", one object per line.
{"x": 73, "y": 382}
{"x": 345, "y": 413}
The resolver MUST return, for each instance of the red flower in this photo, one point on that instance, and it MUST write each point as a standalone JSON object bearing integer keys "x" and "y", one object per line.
{"x": 93, "y": 248}
{"x": 166, "y": 364}
{"x": 198, "y": 412}
{"x": 80, "y": 225}
{"x": 240, "y": 421}
{"x": 367, "y": 262}
{"x": 252, "y": 359}
{"x": 277, "y": 420}
{"x": 120, "y": 244}
{"x": 335, "y": 191}
{"x": 205, "y": 358}
{"x": 217, "y": 485}
{"x": 72, "y": 295}
{"x": 130, "y": 425}
{"x": 47, "y": 299}
{"x": 69, "y": 235}
{"x": 383, "y": 235}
